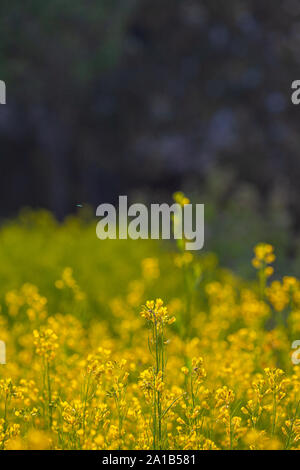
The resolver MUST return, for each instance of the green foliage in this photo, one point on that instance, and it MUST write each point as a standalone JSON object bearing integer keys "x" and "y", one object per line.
{"x": 36, "y": 249}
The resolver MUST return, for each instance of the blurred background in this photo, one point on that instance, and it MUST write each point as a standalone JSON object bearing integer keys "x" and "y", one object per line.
{"x": 144, "y": 97}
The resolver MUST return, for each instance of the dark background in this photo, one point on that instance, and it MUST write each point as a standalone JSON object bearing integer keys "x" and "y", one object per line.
{"x": 114, "y": 97}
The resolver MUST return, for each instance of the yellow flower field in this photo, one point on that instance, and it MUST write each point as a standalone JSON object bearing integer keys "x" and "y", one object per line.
{"x": 139, "y": 345}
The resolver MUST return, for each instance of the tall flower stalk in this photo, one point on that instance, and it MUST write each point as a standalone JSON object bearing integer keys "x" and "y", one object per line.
{"x": 45, "y": 342}
{"x": 153, "y": 380}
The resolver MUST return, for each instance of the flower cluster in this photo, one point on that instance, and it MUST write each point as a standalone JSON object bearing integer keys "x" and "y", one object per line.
{"x": 157, "y": 313}
{"x": 264, "y": 256}
{"x": 46, "y": 343}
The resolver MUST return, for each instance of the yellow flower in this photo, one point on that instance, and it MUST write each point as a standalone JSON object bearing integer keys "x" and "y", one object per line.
{"x": 46, "y": 343}
{"x": 264, "y": 255}
{"x": 157, "y": 313}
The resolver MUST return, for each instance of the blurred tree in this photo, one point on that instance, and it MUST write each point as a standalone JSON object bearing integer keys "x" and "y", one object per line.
{"x": 51, "y": 55}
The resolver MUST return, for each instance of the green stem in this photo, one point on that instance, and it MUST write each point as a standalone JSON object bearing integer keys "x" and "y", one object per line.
{"x": 49, "y": 394}
{"x": 274, "y": 413}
